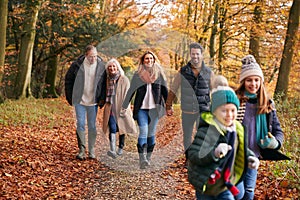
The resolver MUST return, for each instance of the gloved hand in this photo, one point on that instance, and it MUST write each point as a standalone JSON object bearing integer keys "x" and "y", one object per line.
{"x": 273, "y": 142}
{"x": 253, "y": 162}
{"x": 122, "y": 112}
{"x": 222, "y": 150}
{"x": 269, "y": 142}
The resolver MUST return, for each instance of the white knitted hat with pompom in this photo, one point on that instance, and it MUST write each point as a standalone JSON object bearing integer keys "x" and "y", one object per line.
{"x": 250, "y": 68}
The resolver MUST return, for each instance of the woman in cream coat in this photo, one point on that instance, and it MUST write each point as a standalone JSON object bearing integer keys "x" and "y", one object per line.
{"x": 115, "y": 89}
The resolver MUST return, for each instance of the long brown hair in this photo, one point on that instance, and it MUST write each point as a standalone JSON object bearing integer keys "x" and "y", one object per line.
{"x": 155, "y": 70}
{"x": 263, "y": 101}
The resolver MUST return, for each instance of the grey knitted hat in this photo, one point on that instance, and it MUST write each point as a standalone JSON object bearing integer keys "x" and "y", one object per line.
{"x": 250, "y": 68}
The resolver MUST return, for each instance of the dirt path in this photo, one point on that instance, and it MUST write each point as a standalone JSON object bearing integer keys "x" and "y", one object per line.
{"x": 126, "y": 181}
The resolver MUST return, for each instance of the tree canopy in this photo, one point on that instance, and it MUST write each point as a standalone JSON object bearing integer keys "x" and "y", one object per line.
{"x": 228, "y": 30}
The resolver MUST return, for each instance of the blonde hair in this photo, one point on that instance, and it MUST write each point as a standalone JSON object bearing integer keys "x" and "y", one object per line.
{"x": 219, "y": 80}
{"x": 116, "y": 62}
{"x": 156, "y": 70}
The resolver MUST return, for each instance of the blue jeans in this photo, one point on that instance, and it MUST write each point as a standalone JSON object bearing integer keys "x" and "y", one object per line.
{"x": 112, "y": 124}
{"x": 86, "y": 111}
{"x": 188, "y": 121}
{"x": 249, "y": 184}
{"x": 147, "y": 121}
{"x": 226, "y": 195}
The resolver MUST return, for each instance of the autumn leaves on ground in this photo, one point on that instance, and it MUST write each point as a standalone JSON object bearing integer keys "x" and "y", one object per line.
{"x": 37, "y": 160}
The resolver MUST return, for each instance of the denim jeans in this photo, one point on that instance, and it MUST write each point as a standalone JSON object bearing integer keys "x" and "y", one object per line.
{"x": 226, "y": 195}
{"x": 188, "y": 122}
{"x": 241, "y": 188}
{"x": 86, "y": 111}
{"x": 112, "y": 124}
{"x": 147, "y": 121}
{"x": 249, "y": 184}
{"x": 113, "y": 129}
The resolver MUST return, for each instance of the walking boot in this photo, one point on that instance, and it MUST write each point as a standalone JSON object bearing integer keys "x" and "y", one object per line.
{"x": 91, "y": 144}
{"x": 121, "y": 144}
{"x": 149, "y": 152}
{"x": 112, "y": 144}
{"x": 81, "y": 145}
{"x": 142, "y": 156}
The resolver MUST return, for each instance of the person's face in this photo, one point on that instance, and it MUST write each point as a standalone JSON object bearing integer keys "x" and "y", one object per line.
{"x": 112, "y": 69}
{"x": 252, "y": 84}
{"x": 92, "y": 56}
{"x": 148, "y": 60}
{"x": 196, "y": 56}
{"x": 226, "y": 114}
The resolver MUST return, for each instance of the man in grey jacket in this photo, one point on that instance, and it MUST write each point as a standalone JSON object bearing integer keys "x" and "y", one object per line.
{"x": 83, "y": 83}
{"x": 194, "y": 80}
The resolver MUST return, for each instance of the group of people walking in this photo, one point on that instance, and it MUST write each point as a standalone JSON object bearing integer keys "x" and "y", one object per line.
{"x": 235, "y": 128}
{"x": 90, "y": 83}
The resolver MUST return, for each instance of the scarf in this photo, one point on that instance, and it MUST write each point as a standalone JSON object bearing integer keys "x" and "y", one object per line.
{"x": 146, "y": 76}
{"x": 227, "y": 164}
{"x": 111, "y": 87}
{"x": 262, "y": 138}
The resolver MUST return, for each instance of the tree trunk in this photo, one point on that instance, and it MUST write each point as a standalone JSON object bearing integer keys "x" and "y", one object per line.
{"x": 254, "y": 32}
{"x": 212, "y": 39}
{"x": 22, "y": 86}
{"x": 3, "y": 22}
{"x": 288, "y": 51}
{"x": 50, "y": 80}
{"x": 52, "y": 66}
{"x": 223, "y": 12}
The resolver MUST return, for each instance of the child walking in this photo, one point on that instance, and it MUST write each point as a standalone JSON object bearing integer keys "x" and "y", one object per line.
{"x": 218, "y": 156}
{"x": 258, "y": 114}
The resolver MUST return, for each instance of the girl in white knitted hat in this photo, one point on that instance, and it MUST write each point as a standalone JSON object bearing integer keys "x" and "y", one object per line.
{"x": 258, "y": 114}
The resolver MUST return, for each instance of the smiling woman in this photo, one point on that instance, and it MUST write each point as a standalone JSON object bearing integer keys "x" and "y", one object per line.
{"x": 114, "y": 118}
{"x": 150, "y": 88}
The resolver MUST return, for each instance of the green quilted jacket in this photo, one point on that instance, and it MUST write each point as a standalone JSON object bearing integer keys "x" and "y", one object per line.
{"x": 201, "y": 159}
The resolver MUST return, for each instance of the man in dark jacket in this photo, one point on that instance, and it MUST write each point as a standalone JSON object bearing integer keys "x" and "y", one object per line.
{"x": 83, "y": 83}
{"x": 194, "y": 80}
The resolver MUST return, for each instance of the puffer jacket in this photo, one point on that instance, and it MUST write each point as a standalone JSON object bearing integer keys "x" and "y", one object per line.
{"x": 74, "y": 81}
{"x": 138, "y": 87}
{"x": 195, "y": 90}
{"x": 200, "y": 154}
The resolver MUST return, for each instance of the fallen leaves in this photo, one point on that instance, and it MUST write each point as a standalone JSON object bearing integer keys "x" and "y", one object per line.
{"x": 38, "y": 162}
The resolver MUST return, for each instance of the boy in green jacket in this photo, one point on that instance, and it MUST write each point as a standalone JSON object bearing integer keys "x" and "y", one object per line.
{"x": 218, "y": 156}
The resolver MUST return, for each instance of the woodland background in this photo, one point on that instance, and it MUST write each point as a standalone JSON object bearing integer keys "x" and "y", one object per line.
{"x": 40, "y": 38}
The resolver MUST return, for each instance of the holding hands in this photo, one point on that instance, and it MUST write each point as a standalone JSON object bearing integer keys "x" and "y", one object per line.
{"x": 222, "y": 149}
{"x": 170, "y": 112}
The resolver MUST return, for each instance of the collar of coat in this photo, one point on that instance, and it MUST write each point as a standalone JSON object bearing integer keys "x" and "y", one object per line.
{"x": 209, "y": 119}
